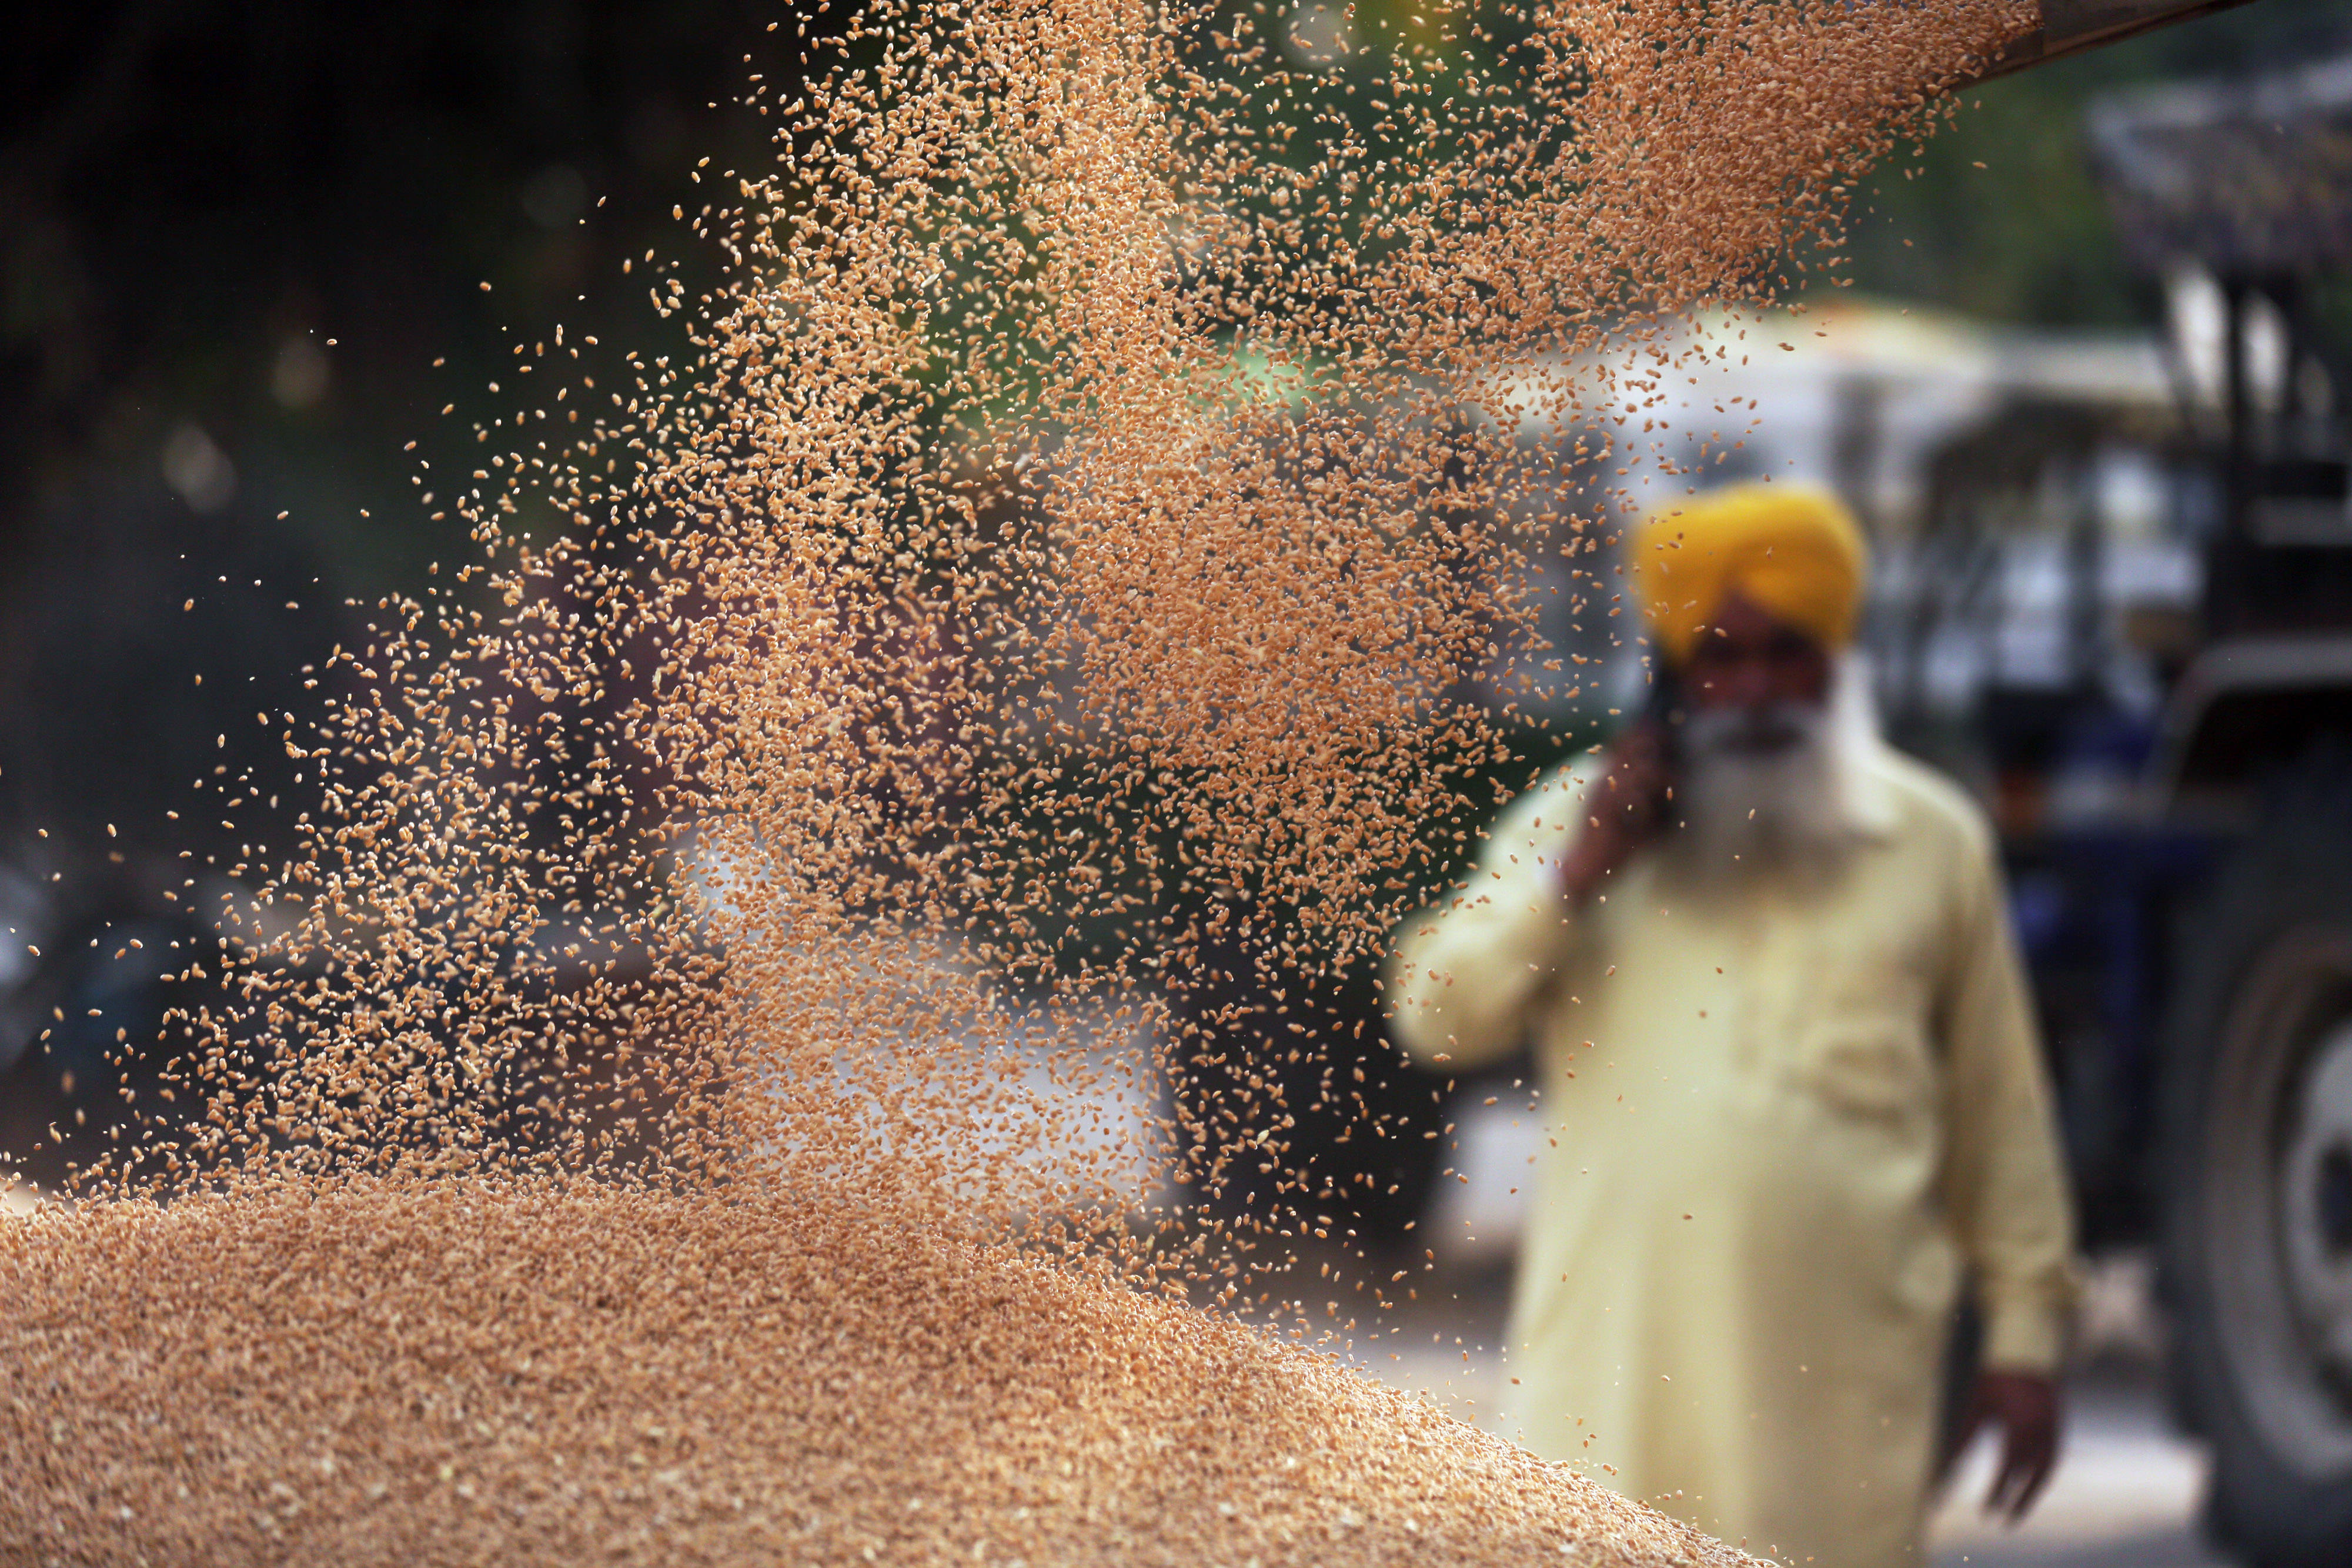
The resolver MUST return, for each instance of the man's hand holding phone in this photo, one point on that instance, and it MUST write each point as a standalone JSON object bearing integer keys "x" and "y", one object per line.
{"x": 1625, "y": 809}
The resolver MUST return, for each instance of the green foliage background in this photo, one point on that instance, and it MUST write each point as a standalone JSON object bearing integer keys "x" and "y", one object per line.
{"x": 2004, "y": 214}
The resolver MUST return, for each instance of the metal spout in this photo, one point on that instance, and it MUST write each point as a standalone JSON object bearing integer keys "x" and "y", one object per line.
{"x": 2071, "y": 26}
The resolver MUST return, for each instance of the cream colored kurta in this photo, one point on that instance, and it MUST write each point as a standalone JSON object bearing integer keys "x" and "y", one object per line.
{"x": 1788, "y": 1115}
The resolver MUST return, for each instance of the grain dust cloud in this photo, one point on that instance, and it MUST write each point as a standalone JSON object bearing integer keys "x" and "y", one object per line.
{"x": 653, "y": 1114}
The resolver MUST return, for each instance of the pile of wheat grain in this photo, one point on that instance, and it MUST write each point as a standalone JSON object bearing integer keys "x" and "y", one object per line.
{"x": 470, "y": 1374}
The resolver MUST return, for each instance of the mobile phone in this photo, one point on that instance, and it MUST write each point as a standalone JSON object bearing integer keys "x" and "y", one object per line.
{"x": 1661, "y": 710}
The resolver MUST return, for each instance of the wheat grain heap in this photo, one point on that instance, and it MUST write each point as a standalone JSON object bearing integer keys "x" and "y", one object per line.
{"x": 454, "y": 1377}
{"x": 645, "y": 1117}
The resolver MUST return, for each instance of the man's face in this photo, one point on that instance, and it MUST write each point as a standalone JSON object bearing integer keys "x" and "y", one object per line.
{"x": 1753, "y": 680}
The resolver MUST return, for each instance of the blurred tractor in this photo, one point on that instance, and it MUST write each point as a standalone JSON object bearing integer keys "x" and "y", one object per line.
{"x": 2134, "y": 627}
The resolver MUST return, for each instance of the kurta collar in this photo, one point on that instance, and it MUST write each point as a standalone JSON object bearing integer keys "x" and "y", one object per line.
{"x": 1870, "y": 809}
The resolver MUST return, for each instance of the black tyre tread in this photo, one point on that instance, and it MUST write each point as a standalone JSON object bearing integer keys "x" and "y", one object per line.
{"x": 2296, "y": 866}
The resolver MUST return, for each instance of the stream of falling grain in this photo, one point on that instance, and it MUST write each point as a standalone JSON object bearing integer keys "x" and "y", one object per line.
{"x": 646, "y": 1120}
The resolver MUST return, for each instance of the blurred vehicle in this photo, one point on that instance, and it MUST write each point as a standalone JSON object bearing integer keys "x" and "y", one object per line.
{"x": 2133, "y": 623}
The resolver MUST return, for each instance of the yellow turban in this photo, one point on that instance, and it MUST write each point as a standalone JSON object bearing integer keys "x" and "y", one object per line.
{"x": 1792, "y": 549}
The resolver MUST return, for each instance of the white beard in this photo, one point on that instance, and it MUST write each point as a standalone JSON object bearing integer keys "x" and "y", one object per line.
{"x": 1776, "y": 789}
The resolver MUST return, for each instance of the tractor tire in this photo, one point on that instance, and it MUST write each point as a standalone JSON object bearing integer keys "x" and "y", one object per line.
{"x": 2256, "y": 1177}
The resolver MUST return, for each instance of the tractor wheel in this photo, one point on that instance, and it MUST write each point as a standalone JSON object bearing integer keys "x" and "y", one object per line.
{"x": 2257, "y": 1182}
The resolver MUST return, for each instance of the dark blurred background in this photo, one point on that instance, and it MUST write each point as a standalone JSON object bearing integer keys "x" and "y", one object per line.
{"x": 243, "y": 252}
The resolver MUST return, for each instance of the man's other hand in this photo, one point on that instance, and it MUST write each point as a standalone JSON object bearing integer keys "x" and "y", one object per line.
{"x": 2025, "y": 1406}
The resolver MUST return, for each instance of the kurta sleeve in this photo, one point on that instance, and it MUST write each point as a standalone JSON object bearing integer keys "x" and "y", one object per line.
{"x": 2005, "y": 1182}
{"x": 1466, "y": 972}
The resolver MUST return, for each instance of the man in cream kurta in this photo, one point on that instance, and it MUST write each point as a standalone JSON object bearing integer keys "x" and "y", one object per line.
{"x": 1794, "y": 1098}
